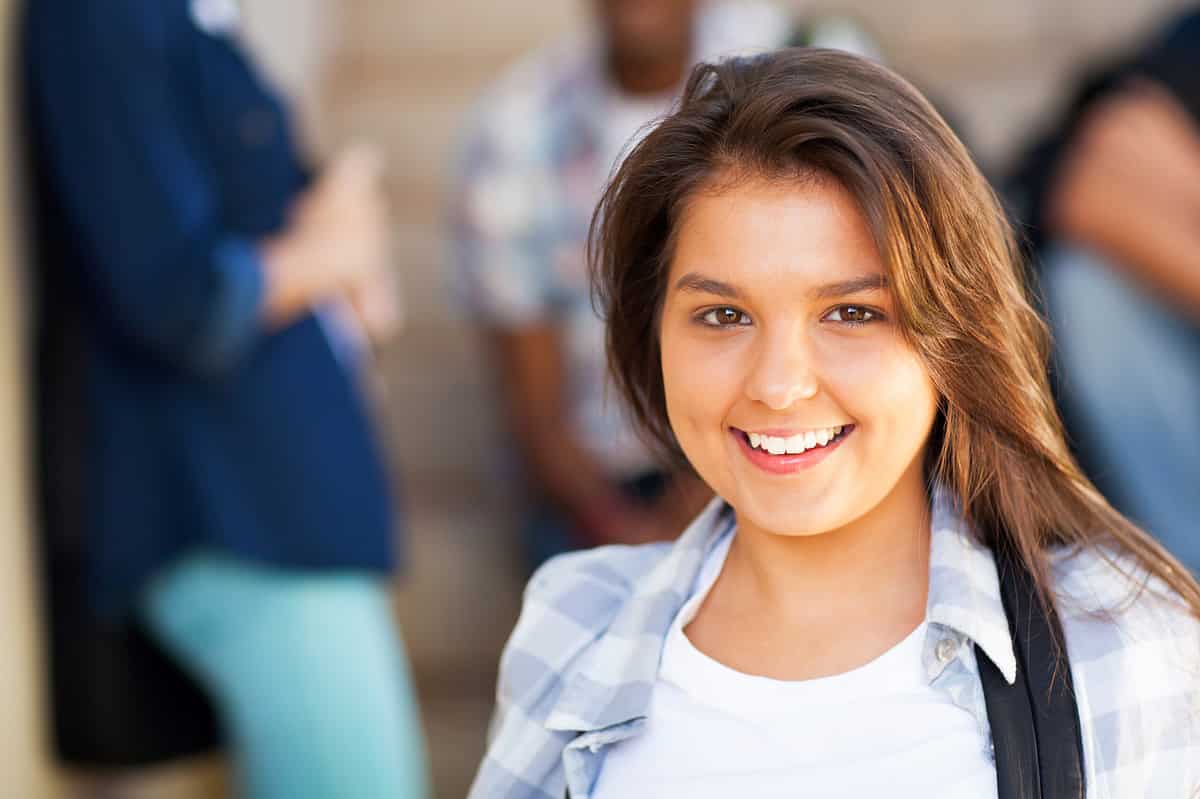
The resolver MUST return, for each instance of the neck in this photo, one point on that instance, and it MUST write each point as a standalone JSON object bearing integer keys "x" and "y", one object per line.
{"x": 875, "y": 568}
{"x": 647, "y": 76}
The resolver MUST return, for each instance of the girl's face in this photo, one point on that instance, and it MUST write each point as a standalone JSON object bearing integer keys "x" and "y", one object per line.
{"x": 788, "y": 383}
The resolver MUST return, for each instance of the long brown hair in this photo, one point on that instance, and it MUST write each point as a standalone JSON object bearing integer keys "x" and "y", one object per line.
{"x": 998, "y": 442}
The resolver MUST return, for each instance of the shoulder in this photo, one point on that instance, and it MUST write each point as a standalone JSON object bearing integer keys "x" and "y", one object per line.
{"x": 572, "y": 599}
{"x": 726, "y": 29}
{"x": 1134, "y": 649}
{"x": 524, "y": 98}
{"x": 612, "y": 568}
{"x": 1109, "y": 588}
{"x": 569, "y": 603}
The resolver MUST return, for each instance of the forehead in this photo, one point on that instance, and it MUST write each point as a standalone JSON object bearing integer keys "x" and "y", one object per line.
{"x": 777, "y": 235}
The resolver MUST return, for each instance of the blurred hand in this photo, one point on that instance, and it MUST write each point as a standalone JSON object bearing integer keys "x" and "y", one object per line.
{"x": 618, "y": 521}
{"x": 376, "y": 304}
{"x": 683, "y": 500}
{"x": 1139, "y": 142}
{"x": 347, "y": 213}
{"x": 1129, "y": 188}
{"x": 338, "y": 245}
{"x": 615, "y": 520}
{"x": 647, "y": 527}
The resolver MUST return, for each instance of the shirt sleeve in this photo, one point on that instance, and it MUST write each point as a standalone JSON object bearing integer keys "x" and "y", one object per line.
{"x": 523, "y": 757}
{"x": 134, "y": 188}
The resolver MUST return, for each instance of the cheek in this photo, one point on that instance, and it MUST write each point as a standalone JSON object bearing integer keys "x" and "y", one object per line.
{"x": 912, "y": 397}
{"x": 884, "y": 385}
{"x": 699, "y": 383}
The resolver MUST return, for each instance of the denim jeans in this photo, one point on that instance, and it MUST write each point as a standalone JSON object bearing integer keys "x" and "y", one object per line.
{"x": 1128, "y": 374}
{"x": 307, "y": 672}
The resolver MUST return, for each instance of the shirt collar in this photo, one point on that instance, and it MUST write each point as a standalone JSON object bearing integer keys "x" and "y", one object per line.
{"x": 613, "y": 679}
{"x": 964, "y": 587}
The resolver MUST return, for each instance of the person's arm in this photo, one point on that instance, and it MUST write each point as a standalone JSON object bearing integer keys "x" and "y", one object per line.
{"x": 532, "y": 373}
{"x": 1130, "y": 187}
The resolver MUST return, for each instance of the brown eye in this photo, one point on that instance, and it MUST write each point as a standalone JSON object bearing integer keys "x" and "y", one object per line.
{"x": 725, "y": 317}
{"x": 852, "y": 315}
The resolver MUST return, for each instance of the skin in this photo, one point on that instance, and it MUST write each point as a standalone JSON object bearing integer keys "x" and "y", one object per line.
{"x": 337, "y": 246}
{"x": 830, "y": 565}
{"x": 1130, "y": 187}
{"x": 648, "y": 42}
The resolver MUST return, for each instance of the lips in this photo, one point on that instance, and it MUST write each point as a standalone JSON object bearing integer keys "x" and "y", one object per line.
{"x": 796, "y": 443}
{"x": 763, "y": 448}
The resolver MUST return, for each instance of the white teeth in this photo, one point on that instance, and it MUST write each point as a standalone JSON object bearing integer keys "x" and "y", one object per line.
{"x": 794, "y": 445}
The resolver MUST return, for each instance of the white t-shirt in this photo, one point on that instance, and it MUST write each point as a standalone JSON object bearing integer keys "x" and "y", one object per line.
{"x": 878, "y": 730}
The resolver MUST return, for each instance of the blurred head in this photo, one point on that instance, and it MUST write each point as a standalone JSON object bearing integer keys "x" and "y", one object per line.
{"x": 805, "y": 245}
{"x": 647, "y": 31}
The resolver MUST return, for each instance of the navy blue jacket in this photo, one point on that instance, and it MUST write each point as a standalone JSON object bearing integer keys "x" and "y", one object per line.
{"x": 161, "y": 160}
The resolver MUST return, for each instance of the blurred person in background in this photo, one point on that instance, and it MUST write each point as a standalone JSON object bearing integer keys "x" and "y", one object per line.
{"x": 235, "y": 500}
{"x": 1111, "y": 202}
{"x": 538, "y": 149}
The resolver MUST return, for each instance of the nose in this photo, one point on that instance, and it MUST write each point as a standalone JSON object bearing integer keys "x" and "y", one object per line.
{"x": 783, "y": 372}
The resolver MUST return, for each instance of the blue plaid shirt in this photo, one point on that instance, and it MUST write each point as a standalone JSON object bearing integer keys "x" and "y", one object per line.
{"x": 577, "y": 674}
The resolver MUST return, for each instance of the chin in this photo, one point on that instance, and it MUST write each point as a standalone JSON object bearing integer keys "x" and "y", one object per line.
{"x": 791, "y": 515}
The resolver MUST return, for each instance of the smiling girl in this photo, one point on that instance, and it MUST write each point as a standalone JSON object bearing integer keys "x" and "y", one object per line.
{"x": 812, "y": 298}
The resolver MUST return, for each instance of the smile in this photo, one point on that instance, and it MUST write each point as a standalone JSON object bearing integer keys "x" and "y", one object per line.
{"x": 784, "y": 454}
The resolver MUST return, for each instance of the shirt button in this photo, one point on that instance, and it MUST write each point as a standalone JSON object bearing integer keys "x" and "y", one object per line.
{"x": 946, "y": 649}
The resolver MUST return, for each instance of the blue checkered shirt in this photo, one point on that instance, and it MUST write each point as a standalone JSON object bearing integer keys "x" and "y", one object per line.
{"x": 577, "y": 674}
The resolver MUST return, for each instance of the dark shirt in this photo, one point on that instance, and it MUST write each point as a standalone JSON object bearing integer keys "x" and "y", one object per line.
{"x": 160, "y": 159}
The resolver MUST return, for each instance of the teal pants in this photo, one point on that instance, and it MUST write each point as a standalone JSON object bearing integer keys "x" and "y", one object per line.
{"x": 307, "y": 671}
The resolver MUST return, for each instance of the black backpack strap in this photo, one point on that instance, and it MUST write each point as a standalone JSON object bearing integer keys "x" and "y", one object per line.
{"x": 1035, "y": 721}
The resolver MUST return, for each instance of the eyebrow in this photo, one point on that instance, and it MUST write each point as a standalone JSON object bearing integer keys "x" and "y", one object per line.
{"x": 855, "y": 285}
{"x": 706, "y": 285}
{"x": 700, "y": 284}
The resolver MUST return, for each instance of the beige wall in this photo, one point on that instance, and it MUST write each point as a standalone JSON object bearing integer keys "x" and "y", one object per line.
{"x": 291, "y": 42}
{"x": 23, "y": 760}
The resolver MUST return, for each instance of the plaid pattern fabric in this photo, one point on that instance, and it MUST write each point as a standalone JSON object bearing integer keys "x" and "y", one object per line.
{"x": 577, "y": 674}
